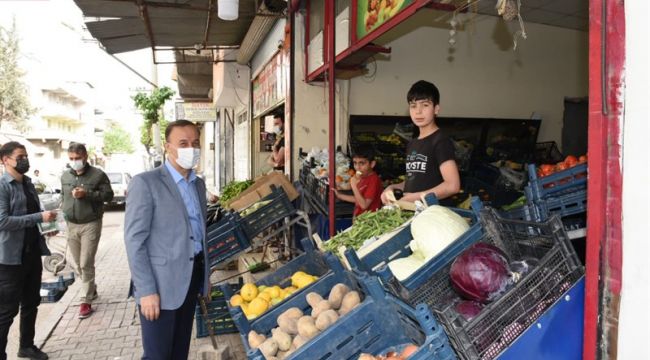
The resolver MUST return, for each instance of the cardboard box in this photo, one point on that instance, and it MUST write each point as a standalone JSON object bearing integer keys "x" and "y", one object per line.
{"x": 262, "y": 188}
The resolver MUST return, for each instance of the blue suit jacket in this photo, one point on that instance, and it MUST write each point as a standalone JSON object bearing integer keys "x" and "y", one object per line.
{"x": 157, "y": 236}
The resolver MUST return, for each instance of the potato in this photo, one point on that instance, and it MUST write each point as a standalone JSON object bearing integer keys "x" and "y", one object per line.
{"x": 292, "y": 313}
{"x": 269, "y": 348}
{"x": 288, "y": 325}
{"x": 313, "y": 299}
{"x": 336, "y": 295}
{"x": 255, "y": 339}
{"x": 326, "y": 319}
{"x": 306, "y": 327}
{"x": 350, "y": 301}
{"x": 298, "y": 341}
{"x": 367, "y": 357}
{"x": 282, "y": 338}
{"x": 323, "y": 305}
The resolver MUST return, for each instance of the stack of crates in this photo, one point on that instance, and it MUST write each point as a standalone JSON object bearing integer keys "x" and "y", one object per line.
{"x": 52, "y": 291}
{"x": 216, "y": 319}
{"x": 563, "y": 193}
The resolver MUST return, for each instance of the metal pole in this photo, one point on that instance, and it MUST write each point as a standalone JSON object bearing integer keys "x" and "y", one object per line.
{"x": 330, "y": 12}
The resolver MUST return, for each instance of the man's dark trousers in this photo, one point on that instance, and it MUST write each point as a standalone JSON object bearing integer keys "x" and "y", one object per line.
{"x": 169, "y": 337}
{"x": 20, "y": 288}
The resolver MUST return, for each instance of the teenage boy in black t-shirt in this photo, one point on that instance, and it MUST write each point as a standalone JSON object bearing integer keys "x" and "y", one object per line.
{"x": 430, "y": 163}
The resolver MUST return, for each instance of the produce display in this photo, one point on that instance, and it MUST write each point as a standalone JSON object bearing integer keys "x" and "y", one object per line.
{"x": 296, "y": 328}
{"x": 256, "y": 300}
{"x": 569, "y": 162}
{"x": 481, "y": 273}
{"x": 366, "y": 226}
{"x": 433, "y": 230}
{"x": 233, "y": 189}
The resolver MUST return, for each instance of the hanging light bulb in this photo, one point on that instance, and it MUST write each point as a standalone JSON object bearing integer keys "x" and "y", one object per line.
{"x": 228, "y": 9}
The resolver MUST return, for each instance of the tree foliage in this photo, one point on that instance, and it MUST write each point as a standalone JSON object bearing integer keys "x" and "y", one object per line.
{"x": 151, "y": 105}
{"x": 14, "y": 99}
{"x": 117, "y": 140}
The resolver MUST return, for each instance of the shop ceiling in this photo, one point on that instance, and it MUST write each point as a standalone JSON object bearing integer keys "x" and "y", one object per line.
{"x": 192, "y": 31}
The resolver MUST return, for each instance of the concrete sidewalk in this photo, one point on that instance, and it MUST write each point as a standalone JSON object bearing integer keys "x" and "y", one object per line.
{"x": 113, "y": 330}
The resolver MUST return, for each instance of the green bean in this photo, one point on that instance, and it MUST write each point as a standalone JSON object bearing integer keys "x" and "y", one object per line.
{"x": 366, "y": 226}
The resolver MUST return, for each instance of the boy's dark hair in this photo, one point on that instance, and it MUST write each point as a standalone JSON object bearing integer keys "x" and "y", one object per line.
{"x": 178, "y": 123}
{"x": 77, "y": 148}
{"x": 278, "y": 115}
{"x": 364, "y": 152}
{"x": 8, "y": 148}
{"x": 423, "y": 90}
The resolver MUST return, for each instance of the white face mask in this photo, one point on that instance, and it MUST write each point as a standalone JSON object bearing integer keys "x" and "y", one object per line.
{"x": 277, "y": 129}
{"x": 188, "y": 157}
{"x": 77, "y": 165}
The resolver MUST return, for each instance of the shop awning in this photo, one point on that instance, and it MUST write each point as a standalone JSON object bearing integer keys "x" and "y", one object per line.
{"x": 126, "y": 25}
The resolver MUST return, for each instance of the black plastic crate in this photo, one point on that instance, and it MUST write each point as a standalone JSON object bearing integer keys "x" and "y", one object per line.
{"x": 225, "y": 239}
{"x": 503, "y": 320}
{"x": 217, "y": 317}
{"x": 547, "y": 153}
{"x": 489, "y": 194}
{"x": 277, "y": 208}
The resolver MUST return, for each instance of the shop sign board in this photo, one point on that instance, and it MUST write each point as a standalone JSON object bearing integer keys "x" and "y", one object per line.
{"x": 196, "y": 111}
{"x": 270, "y": 85}
{"x": 372, "y": 13}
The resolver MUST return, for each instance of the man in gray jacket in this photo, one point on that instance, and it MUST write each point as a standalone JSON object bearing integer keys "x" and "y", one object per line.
{"x": 85, "y": 188}
{"x": 21, "y": 248}
{"x": 164, "y": 233}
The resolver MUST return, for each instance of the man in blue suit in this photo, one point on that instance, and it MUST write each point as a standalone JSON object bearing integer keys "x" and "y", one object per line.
{"x": 164, "y": 233}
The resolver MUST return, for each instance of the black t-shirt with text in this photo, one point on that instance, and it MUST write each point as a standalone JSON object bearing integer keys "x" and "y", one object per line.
{"x": 423, "y": 159}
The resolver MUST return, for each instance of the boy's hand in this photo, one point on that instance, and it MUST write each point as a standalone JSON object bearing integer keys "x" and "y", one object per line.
{"x": 336, "y": 192}
{"x": 354, "y": 181}
{"x": 387, "y": 196}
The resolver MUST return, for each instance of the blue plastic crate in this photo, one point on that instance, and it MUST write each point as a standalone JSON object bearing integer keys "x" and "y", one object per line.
{"x": 379, "y": 324}
{"x": 560, "y": 183}
{"x": 398, "y": 247}
{"x": 225, "y": 239}
{"x": 217, "y": 316}
{"x": 558, "y": 268}
{"x": 278, "y": 208}
{"x": 311, "y": 261}
{"x": 61, "y": 283}
{"x": 53, "y": 295}
{"x": 564, "y": 205}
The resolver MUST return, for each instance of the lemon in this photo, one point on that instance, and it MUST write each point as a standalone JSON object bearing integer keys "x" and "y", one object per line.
{"x": 244, "y": 309}
{"x": 305, "y": 281}
{"x": 249, "y": 292}
{"x": 258, "y": 306}
{"x": 297, "y": 278}
{"x": 261, "y": 288}
{"x": 274, "y": 291}
{"x": 236, "y": 300}
{"x": 276, "y": 300}
{"x": 264, "y": 295}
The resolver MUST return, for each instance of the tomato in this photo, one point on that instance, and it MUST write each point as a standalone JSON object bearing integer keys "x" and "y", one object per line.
{"x": 571, "y": 161}
{"x": 561, "y": 166}
{"x": 582, "y": 159}
{"x": 547, "y": 169}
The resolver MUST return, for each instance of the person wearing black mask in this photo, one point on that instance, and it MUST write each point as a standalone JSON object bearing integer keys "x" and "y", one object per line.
{"x": 21, "y": 248}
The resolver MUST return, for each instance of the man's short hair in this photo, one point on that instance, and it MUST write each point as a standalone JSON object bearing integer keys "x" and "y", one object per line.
{"x": 8, "y": 148}
{"x": 77, "y": 148}
{"x": 423, "y": 90}
{"x": 364, "y": 152}
{"x": 178, "y": 123}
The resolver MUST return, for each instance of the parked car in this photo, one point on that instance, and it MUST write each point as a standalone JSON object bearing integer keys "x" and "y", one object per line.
{"x": 119, "y": 183}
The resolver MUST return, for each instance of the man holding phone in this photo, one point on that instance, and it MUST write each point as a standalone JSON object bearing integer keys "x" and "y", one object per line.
{"x": 85, "y": 189}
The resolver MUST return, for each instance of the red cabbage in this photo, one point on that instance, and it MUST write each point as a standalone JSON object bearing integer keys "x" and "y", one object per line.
{"x": 468, "y": 309}
{"x": 481, "y": 273}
